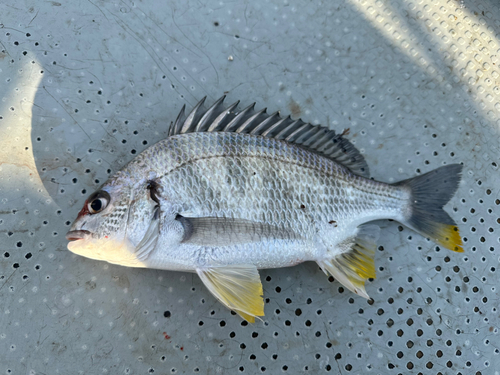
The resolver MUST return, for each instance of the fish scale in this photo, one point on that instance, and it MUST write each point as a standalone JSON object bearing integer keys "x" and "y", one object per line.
{"x": 228, "y": 193}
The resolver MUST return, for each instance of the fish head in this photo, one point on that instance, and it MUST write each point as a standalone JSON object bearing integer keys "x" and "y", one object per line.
{"x": 114, "y": 224}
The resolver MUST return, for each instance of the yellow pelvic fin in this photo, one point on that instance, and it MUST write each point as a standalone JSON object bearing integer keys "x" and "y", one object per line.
{"x": 354, "y": 263}
{"x": 448, "y": 236}
{"x": 238, "y": 287}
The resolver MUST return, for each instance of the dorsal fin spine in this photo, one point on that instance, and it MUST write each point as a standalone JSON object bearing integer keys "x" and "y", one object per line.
{"x": 220, "y": 119}
{"x": 315, "y": 138}
{"x": 239, "y": 117}
{"x": 306, "y": 135}
{"x": 317, "y": 134}
{"x": 298, "y": 133}
{"x": 186, "y": 127}
{"x": 269, "y": 121}
{"x": 178, "y": 122}
{"x": 322, "y": 141}
{"x": 205, "y": 120}
{"x": 290, "y": 128}
{"x": 248, "y": 122}
{"x": 261, "y": 127}
{"x": 287, "y": 129}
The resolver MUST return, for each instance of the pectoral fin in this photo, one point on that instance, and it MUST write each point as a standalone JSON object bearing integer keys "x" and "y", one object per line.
{"x": 355, "y": 264}
{"x": 237, "y": 286}
{"x": 223, "y": 231}
{"x": 148, "y": 242}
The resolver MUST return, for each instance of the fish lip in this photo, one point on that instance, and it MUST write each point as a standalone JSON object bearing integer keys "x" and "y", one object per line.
{"x": 74, "y": 235}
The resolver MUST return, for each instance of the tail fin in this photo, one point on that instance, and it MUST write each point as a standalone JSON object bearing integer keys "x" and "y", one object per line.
{"x": 429, "y": 193}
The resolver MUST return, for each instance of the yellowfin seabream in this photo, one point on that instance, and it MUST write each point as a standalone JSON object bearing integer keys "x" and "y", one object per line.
{"x": 231, "y": 192}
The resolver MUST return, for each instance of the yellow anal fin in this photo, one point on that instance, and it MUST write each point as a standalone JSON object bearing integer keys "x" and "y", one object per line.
{"x": 238, "y": 287}
{"x": 449, "y": 236}
{"x": 354, "y": 264}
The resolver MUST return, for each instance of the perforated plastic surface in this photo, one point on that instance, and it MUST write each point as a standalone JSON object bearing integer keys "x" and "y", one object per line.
{"x": 86, "y": 85}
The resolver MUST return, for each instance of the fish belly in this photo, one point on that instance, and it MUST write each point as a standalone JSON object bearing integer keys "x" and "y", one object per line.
{"x": 264, "y": 254}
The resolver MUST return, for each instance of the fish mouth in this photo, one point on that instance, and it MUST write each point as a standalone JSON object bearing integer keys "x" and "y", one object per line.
{"x": 74, "y": 235}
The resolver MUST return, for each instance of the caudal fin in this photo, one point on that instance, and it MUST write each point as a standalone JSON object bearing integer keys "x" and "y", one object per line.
{"x": 429, "y": 193}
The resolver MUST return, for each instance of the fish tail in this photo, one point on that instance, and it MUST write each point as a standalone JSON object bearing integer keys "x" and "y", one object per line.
{"x": 428, "y": 194}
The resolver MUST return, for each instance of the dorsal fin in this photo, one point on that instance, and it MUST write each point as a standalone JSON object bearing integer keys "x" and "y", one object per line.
{"x": 315, "y": 138}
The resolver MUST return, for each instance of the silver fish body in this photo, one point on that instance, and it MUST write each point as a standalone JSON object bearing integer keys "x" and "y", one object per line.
{"x": 312, "y": 203}
{"x": 224, "y": 203}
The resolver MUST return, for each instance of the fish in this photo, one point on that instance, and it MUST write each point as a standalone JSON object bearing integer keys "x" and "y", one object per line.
{"x": 230, "y": 192}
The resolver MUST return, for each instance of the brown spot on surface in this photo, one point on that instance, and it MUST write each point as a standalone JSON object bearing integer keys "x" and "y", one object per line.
{"x": 333, "y": 222}
{"x": 346, "y": 132}
{"x": 294, "y": 108}
{"x": 491, "y": 329}
{"x": 302, "y": 207}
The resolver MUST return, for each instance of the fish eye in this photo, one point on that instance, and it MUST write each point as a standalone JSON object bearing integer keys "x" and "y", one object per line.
{"x": 97, "y": 205}
{"x": 98, "y": 202}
